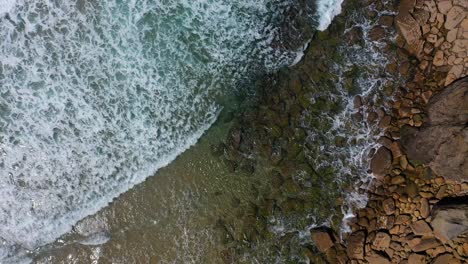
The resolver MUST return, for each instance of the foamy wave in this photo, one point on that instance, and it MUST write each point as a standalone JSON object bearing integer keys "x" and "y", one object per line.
{"x": 326, "y": 11}
{"x": 96, "y": 96}
{"x": 6, "y": 6}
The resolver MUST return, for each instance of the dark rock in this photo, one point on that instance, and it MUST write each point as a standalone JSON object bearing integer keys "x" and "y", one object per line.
{"x": 450, "y": 218}
{"x": 381, "y": 162}
{"x": 355, "y": 249}
{"x": 386, "y": 20}
{"x": 354, "y": 36}
{"x": 377, "y": 33}
{"x": 389, "y": 206}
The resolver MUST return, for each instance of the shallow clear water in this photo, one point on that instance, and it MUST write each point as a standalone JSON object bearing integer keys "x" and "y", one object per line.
{"x": 95, "y": 96}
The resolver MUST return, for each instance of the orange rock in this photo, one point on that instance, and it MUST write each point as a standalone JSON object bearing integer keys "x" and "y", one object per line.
{"x": 421, "y": 228}
{"x": 416, "y": 259}
{"x": 425, "y": 244}
{"x": 322, "y": 239}
{"x": 454, "y": 16}
{"x": 445, "y": 259}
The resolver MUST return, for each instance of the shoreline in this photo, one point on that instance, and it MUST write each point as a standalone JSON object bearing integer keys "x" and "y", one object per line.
{"x": 282, "y": 194}
{"x": 402, "y": 223}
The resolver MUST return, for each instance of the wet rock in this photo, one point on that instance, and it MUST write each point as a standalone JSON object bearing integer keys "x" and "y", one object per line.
{"x": 450, "y": 218}
{"x": 377, "y": 33}
{"x": 322, "y": 238}
{"x": 381, "y": 162}
{"x": 386, "y": 21}
{"x": 354, "y": 36}
{"x": 355, "y": 249}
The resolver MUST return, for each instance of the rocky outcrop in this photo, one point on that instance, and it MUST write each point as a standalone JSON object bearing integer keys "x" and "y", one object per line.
{"x": 423, "y": 25}
{"x": 450, "y": 218}
{"x": 442, "y": 143}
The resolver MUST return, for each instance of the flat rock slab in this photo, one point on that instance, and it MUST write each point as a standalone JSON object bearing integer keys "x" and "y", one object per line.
{"x": 450, "y": 218}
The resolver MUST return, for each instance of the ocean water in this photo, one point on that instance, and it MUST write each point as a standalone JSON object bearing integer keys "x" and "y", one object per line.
{"x": 96, "y": 96}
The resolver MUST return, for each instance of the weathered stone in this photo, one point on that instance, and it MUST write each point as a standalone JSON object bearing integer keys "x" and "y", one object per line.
{"x": 444, "y": 6}
{"x": 421, "y": 228}
{"x": 443, "y": 142}
{"x": 446, "y": 259}
{"x": 454, "y": 16}
{"x": 381, "y": 162}
{"x": 454, "y": 73}
{"x": 416, "y": 259}
{"x": 402, "y": 219}
{"x": 424, "y": 209}
{"x": 421, "y": 16}
{"x": 376, "y": 258}
{"x": 438, "y": 58}
{"x": 410, "y": 30}
{"x": 388, "y": 206}
{"x": 398, "y": 180}
{"x": 322, "y": 239}
{"x": 381, "y": 241}
{"x": 450, "y": 218}
{"x": 425, "y": 244}
{"x": 452, "y": 35}
{"x": 355, "y": 248}
{"x": 450, "y": 106}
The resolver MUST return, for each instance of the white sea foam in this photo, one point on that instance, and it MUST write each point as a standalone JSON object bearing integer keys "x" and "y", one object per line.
{"x": 98, "y": 95}
{"x": 6, "y": 6}
{"x": 326, "y": 11}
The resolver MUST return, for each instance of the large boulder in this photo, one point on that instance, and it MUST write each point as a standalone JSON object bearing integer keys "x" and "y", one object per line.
{"x": 322, "y": 238}
{"x": 442, "y": 143}
{"x": 355, "y": 248}
{"x": 381, "y": 162}
{"x": 450, "y": 106}
{"x": 450, "y": 218}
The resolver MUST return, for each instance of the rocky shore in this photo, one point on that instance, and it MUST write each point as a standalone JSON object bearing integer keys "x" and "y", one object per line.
{"x": 417, "y": 199}
{"x": 418, "y": 205}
